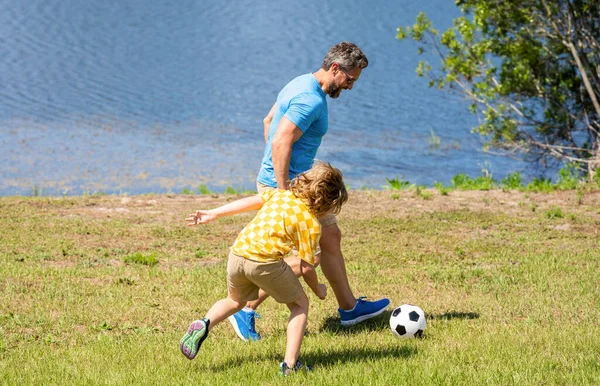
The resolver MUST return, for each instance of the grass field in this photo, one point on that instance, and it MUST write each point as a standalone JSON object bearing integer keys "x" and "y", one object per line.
{"x": 99, "y": 290}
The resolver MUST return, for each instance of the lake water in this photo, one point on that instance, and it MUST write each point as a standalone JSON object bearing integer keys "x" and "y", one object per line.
{"x": 156, "y": 96}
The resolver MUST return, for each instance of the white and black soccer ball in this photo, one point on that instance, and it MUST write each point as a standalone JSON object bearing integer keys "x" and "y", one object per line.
{"x": 408, "y": 321}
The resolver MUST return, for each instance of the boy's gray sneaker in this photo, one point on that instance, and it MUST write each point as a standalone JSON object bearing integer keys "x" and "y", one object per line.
{"x": 193, "y": 338}
{"x": 285, "y": 370}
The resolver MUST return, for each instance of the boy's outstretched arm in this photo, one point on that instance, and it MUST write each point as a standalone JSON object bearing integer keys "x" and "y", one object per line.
{"x": 239, "y": 206}
{"x": 310, "y": 277}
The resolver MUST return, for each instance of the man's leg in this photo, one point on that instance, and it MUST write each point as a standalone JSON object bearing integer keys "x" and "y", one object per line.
{"x": 351, "y": 310}
{"x": 334, "y": 267}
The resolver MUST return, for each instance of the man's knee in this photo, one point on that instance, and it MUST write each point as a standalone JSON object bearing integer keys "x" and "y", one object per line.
{"x": 331, "y": 238}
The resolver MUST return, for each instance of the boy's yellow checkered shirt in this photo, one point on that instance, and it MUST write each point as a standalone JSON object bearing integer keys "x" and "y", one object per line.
{"x": 282, "y": 223}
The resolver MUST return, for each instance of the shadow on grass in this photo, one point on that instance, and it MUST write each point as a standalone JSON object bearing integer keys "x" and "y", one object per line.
{"x": 348, "y": 355}
{"x": 333, "y": 356}
{"x": 332, "y": 324}
{"x": 453, "y": 315}
{"x": 327, "y": 358}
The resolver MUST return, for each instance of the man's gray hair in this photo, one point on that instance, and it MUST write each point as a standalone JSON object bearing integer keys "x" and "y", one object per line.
{"x": 347, "y": 55}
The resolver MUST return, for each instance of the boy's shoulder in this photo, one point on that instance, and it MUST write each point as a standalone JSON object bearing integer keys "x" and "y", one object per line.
{"x": 280, "y": 197}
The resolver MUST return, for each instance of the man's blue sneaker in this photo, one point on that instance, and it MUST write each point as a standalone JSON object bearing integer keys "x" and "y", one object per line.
{"x": 243, "y": 324}
{"x": 363, "y": 310}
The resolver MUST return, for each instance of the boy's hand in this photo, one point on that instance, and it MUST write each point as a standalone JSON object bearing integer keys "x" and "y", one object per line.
{"x": 200, "y": 217}
{"x": 322, "y": 291}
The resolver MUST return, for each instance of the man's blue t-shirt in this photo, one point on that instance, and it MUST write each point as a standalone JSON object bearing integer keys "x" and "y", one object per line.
{"x": 303, "y": 102}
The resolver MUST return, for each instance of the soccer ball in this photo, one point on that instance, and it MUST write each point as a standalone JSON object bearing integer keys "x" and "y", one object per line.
{"x": 408, "y": 321}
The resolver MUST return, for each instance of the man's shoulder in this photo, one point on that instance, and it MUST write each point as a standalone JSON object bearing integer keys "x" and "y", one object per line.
{"x": 310, "y": 99}
{"x": 307, "y": 79}
{"x": 306, "y": 86}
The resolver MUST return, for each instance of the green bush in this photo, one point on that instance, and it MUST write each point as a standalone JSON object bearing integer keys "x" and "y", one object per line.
{"x": 202, "y": 189}
{"x": 444, "y": 190}
{"x": 541, "y": 185}
{"x": 512, "y": 181}
{"x": 464, "y": 182}
{"x": 568, "y": 178}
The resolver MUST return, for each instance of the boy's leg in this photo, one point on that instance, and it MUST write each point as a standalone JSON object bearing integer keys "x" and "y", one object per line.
{"x": 279, "y": 280}
{"x": 240, "y": 290}
{"x": 222, "y": 309}
{"x": 244, "y": 321}
{"x": 295, "y": 329}
{"x": 198, "y": 330}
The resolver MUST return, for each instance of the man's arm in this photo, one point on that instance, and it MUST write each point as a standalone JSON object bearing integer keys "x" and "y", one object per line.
{"x": 267, "y": 122}
{"x": 235, "y": 207}
{"x": 281, "y": 148}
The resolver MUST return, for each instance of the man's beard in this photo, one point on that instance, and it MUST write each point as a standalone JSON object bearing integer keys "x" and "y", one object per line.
{"x": 334, "y": 91}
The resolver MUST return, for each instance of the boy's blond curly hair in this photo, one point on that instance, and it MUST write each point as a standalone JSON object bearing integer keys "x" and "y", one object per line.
{"x": 321, "y": 188}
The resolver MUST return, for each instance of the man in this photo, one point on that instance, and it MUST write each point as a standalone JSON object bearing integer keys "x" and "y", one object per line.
{"x": 293, "y": 131}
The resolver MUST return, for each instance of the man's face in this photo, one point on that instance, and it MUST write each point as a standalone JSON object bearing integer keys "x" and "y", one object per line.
{"x": 342, "y": 79}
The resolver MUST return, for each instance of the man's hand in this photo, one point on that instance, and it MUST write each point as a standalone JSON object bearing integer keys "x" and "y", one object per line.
{"x": 200, "y": 217}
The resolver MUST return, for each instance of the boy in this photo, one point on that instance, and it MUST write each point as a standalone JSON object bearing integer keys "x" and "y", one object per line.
{"x": 286, "y": 219}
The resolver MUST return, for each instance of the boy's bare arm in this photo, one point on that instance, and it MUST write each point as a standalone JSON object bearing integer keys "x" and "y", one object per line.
{"x": 310, "y": 277}
{"x": 239, "y": 206}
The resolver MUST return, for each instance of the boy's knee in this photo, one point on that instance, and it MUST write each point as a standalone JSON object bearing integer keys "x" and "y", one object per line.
{"x": 301, "y": 303}
{"x": 237, "y": 304}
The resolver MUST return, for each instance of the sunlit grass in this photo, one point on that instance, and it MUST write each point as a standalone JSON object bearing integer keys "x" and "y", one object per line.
{"x": 511, "y": 294}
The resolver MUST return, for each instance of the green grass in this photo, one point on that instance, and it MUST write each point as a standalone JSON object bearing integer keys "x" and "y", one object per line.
{"x": 511, "y": 295}
{"x": 397, "y": 183}
{"x": 139, "y": 258}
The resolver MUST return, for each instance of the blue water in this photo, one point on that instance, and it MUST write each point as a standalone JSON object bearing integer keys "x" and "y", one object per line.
{"x": 157, "y": 96}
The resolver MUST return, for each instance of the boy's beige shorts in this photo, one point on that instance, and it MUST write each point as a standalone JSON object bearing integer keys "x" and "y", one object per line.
{"x": 245, "y": 277}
